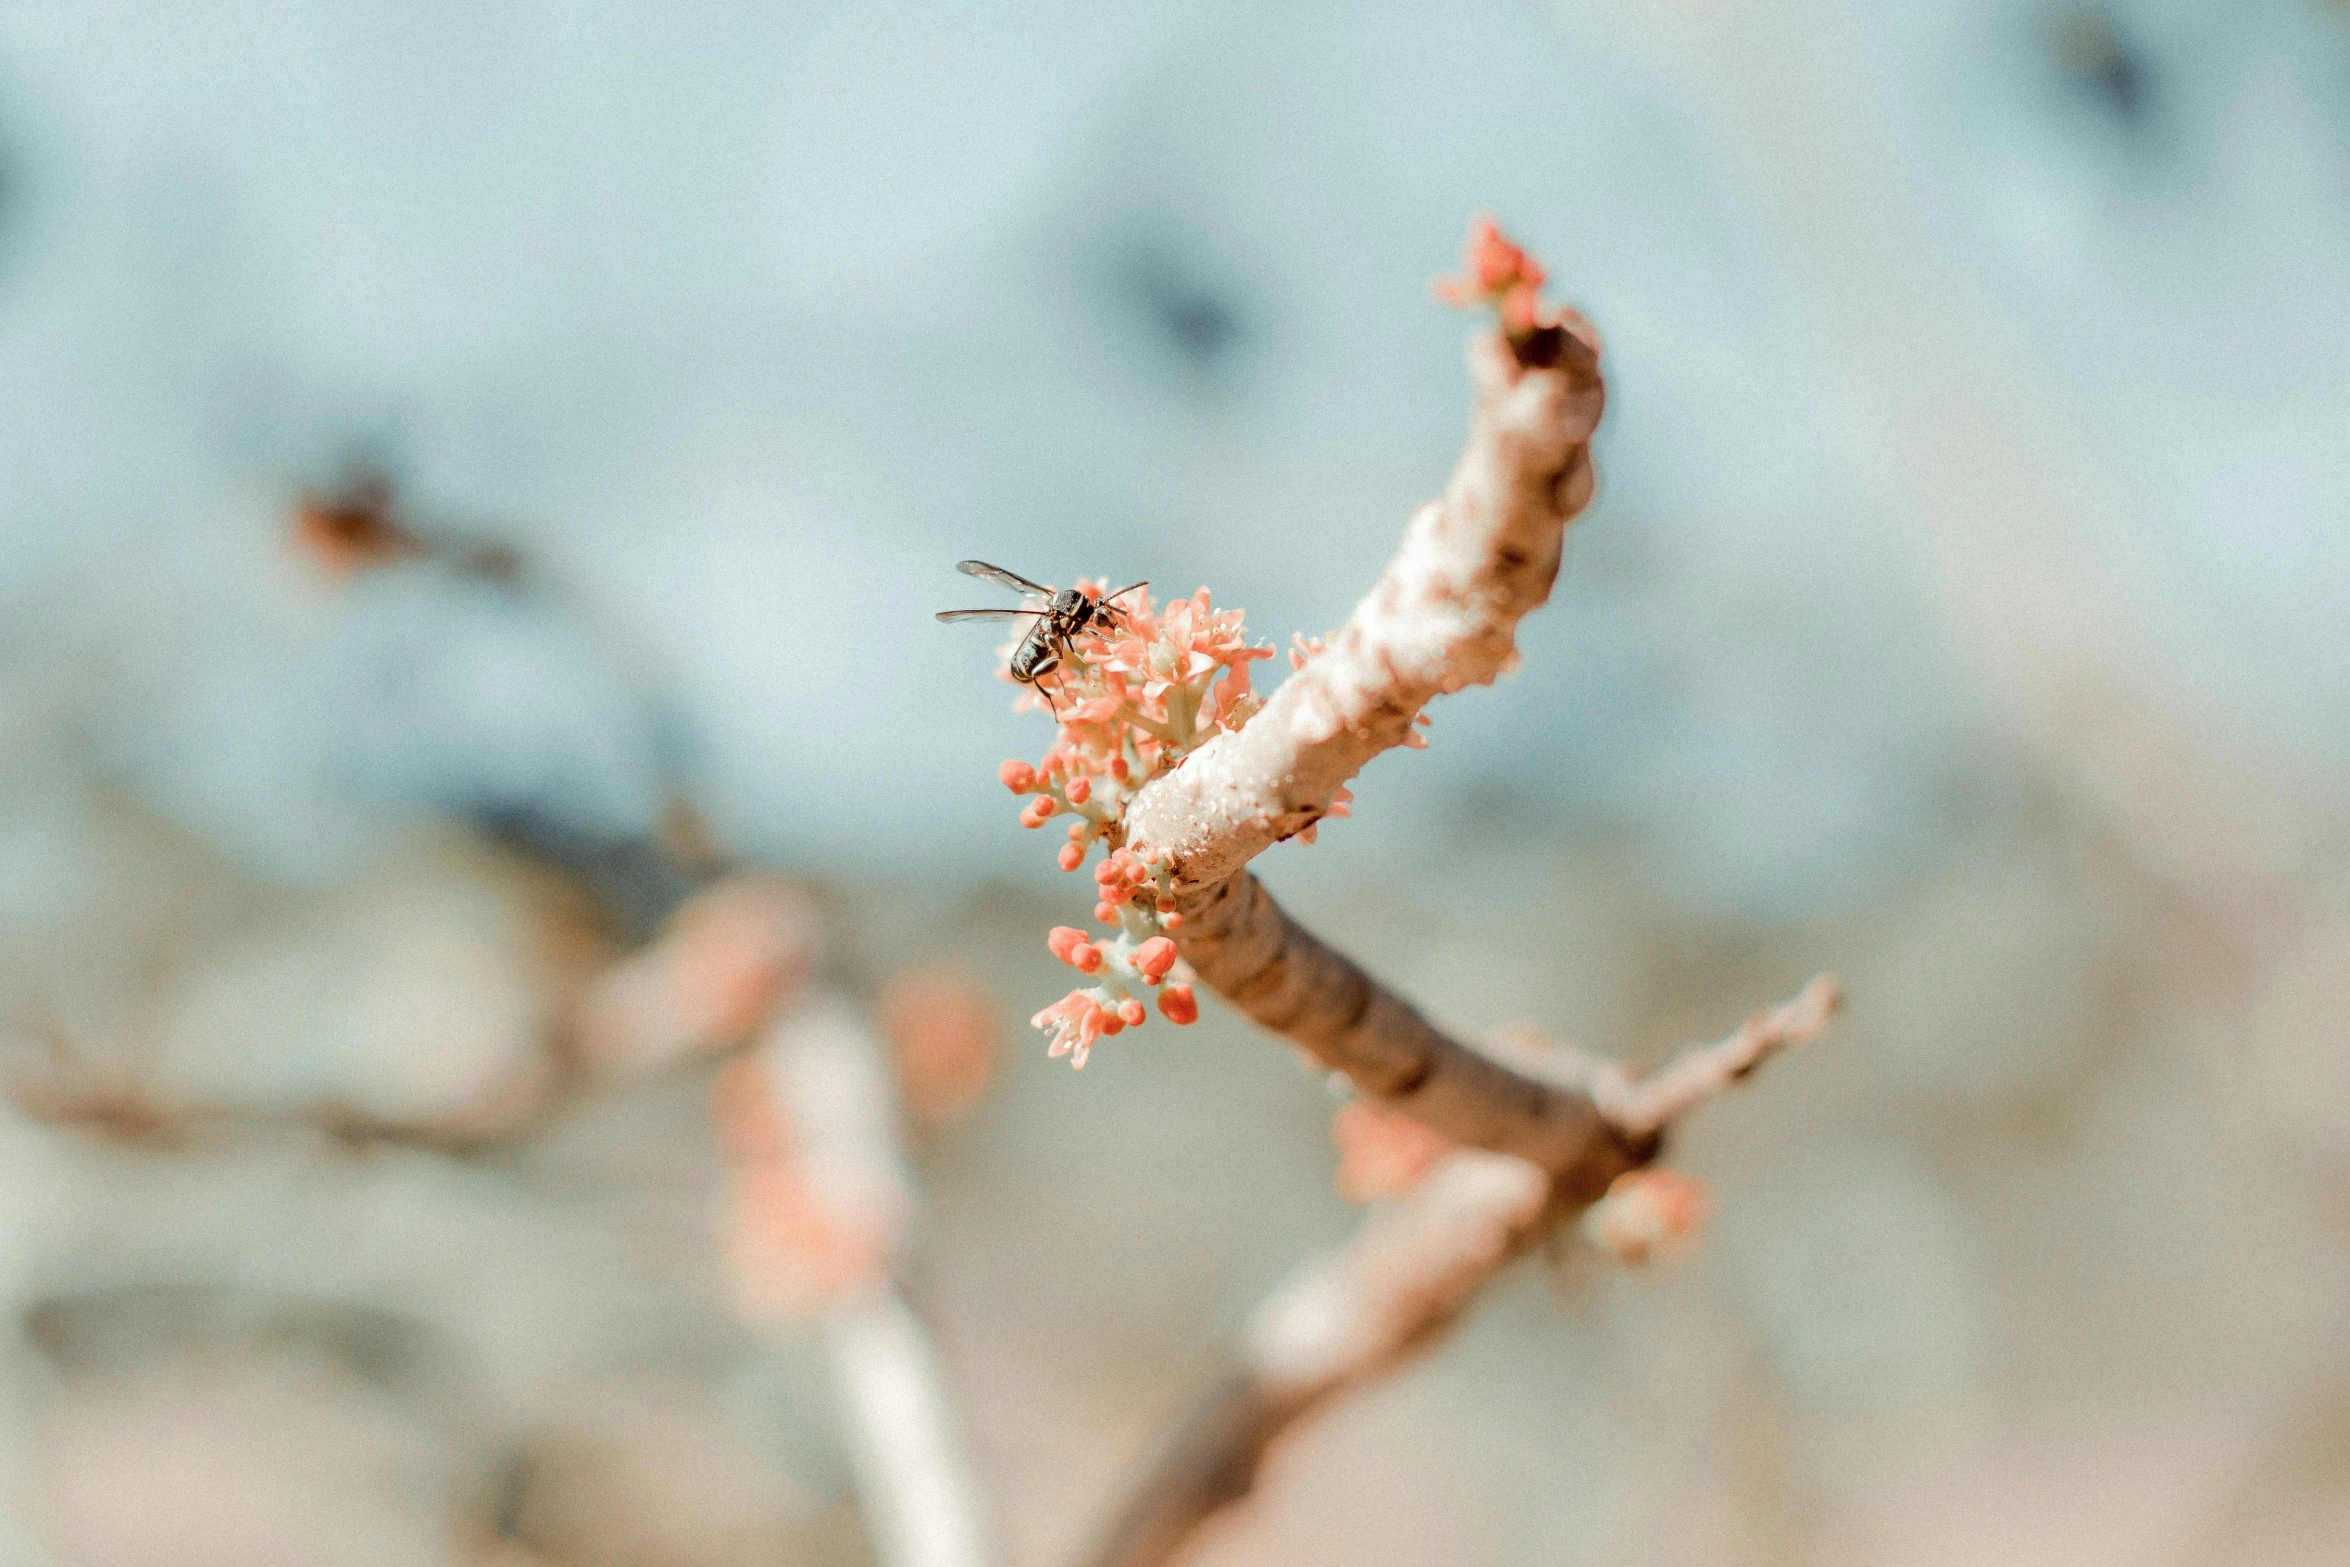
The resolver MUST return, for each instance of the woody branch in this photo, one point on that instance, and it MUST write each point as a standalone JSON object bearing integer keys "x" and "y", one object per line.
{"x": 1535, "y": 1134}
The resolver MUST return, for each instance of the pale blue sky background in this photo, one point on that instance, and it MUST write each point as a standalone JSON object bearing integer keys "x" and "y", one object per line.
{"x": 749, "y": 320}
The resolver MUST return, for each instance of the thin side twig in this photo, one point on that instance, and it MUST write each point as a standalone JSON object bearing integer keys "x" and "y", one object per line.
{"x": 1645, "y": 1107}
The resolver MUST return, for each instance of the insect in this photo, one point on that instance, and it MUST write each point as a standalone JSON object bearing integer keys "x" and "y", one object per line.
{"x": 1066, "y": 613}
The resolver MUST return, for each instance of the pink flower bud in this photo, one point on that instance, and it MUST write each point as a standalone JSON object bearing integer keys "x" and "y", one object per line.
{"x": 1064, "y": 941}
{"x": 1086, "y": 957}
{"x": 1647, "y": 1213}
{"x": 942, "y": 1027}
{"x": 1105, "y": 912}
{"x": 1079, "y": 790}
{"x": 1037, "y": 811}
{"x": 1130, "y": 1012}
{"x": 1017, "y": 775}
{"x": 1153, "y": 958}
{"x": 1112, "y": 1023}
{"x": 1178, "y": 1005}
{"x": 1497, "y": 273}
{"x": 1071, "y": 856}
{"x": 1381, "y": 1153}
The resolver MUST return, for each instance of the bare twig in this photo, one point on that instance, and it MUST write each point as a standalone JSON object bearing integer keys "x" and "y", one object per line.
{"x": 1391, "y": 1290}
{"x": 745, "y": 946}
{"x": 1645, "y": 1107}
{"x": 835, "y": 1094}
{"x": 1408, "y": 1271}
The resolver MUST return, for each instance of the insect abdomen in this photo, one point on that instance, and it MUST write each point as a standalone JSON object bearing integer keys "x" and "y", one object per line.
{"x": 1032, "y": 658}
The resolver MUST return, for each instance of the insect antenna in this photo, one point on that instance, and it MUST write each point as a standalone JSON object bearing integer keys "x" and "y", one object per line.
{"x": 1109, "y": 602}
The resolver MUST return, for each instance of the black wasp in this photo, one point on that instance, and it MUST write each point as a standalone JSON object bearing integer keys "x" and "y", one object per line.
{"x": 1066, "y": 613}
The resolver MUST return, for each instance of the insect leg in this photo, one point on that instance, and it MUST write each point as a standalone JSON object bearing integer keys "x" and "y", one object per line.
{"x": 1050, "y": 662}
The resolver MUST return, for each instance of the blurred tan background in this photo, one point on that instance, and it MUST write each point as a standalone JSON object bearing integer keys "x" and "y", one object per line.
{"x": 1962, "y": 612}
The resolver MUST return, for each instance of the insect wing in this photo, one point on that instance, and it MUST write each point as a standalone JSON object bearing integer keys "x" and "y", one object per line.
{"x": 1010, "y": 579}
{"x": 952, "y": 615}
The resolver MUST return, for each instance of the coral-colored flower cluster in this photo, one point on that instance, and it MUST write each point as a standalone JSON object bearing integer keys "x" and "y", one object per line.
{"x": 1121, "y": 965}
{"x": 1135, "y": 693}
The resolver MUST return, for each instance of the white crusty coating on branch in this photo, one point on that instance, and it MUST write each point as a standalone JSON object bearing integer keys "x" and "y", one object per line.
{"x": 1472, "y": 564}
